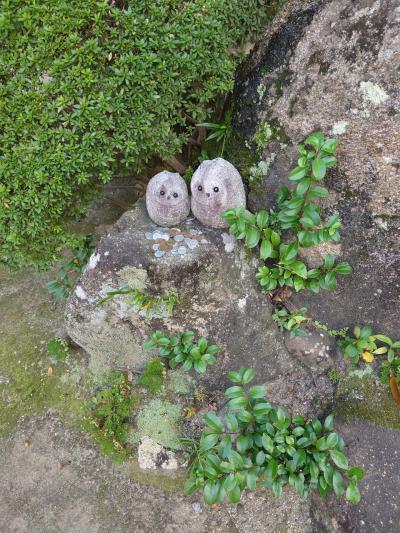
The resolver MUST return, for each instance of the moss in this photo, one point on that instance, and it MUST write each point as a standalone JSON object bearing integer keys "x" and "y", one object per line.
{"x": 29, "y": 319}
{"x": 180, "y": 382}
{"x": 367, "y": 399}
{"x": 160, "y": 420}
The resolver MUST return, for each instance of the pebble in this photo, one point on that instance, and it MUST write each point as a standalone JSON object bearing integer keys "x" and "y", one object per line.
{"x": 156, "y": 247}
{"x": 159, "y": 253}
{"x": 196, "y": 507}
{"x": 179, "y": 238}
{"x": 192, "y": 243}
{"x": 182, "y": 250}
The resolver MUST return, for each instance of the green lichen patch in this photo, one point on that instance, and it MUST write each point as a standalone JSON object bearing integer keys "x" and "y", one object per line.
{"x": 367, "y": 399}
{"x": 160, "y": 420}
{"x": 179, "y": 382}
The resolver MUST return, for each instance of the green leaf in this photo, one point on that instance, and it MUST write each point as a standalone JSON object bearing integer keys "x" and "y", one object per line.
{"x": 202, "y": 345}
{"x": 318, "y": 192}
{"x": 329, "y": 261}
{"x": 343, "y": 268}
{"x": 243, "y": 442}
{"x": 338, "y": 483}
{"x": 262, "y": 219}
{"x": 248, "y": 376}
{"x": 356, "y": 472}
{"x": 251, "y": 480}
{"x": 237, "y": 403}
{"x": 214, "y": 422}
{"x": 235, "y": 377}
{"x": 266, "y": 249}
{"x": 208, "y": 441}
{"x": 303, "y": 186}
{"x": 231, "y": 422}
{"x": 297, "y": 173}
{"x": 332, "y": 440}
{"x": 262, "y": 408}
{"x": 210, "y": 492}
{"x": 234, "y": 392}
{"x": 329, "y": 146}
{"x": 275, "y": 239}
{"x": 315, "y": 139}
{"x": 352, "y": 493}
{"x": 328, "y": 423}
{"x": 234, "y": 495}
{"x": 277, "y": 488}
{"x": 272, "y": 470}
{"x": 299, "y": 269}
{"x": 267, "y": 443}
{"x": 257, "y": 392}
{"x": 339, "y": 459}
{"x": 235, "y": 459}
{"x": 318, "y": 168}
{"x": 190, "y": 486}
{"x": 252, "y": 237}
{"x": 200, "y": 366}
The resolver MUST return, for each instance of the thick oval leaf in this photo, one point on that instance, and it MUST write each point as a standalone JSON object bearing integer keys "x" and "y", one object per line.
{"x": 208, "y": 441}
{"x": 234, "y": 392}
{"x": 356, "y": 472}
{"x": 213, "y": 422}
{"x": 338, "y": 484}
{"x": 252, "y": 237}
{"x": 266, "y": 249}
{"x": 257, "y": 392}
{"x": 319, "y": 168}
{"x": 353, "y": 494}
{"x": 339, "y": 459}
{"x": 248, "y": 375}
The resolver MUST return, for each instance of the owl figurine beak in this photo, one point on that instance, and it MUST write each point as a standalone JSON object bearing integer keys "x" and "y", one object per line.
{"x": 208, "y": 194}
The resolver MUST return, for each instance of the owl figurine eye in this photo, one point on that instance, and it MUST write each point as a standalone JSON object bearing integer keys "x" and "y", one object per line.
{"x": 200, "y": 188}
{"x": 216, "y": 189}
{"x": 162, "y": 193}
{"x": 175, "y": 195}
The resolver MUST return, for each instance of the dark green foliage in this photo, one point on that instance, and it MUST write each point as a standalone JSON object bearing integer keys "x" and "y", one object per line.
{"x": 89, "y": 88}
{"x": 180, "y": 349}
{"x": 255, "y": 442}
{"x": 109, "y": 412}
{"x": 58, "y": 349}
{"x": 153, "y": 375}
{"x": 298, "y": 213}
{"x": 291, "y": 321}
{"x": 70, "y": 270}
{"x": 390, "y": 367}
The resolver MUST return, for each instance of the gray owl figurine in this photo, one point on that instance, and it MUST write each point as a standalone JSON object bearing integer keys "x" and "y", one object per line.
{"x": 216, "y": 186}
{"x": 167, "y": 199}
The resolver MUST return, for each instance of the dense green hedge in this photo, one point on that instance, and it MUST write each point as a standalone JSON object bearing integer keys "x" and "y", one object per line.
{"x": 88, "y": 86}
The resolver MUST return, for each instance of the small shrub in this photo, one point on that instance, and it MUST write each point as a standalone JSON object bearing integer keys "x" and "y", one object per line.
{"x": 255, "y": 442}
{"x": 110, "y": 409}
{"x": 92, "y": 88}
{"x": 180, "y": 349}
{"x": 70, "y": 270}
{"x": 291, "y": 321}
{"x": 297, "y": 212}
{"x": 366, "y": 345}
{"x": 153, "y": 375}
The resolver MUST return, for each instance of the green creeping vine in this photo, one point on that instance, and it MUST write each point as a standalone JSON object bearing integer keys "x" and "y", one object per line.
{"x": 361, "y": 344}
{"x": 299, "y": 214}
{"x": 181, "y": 349}
{"x": 256, "y": 442}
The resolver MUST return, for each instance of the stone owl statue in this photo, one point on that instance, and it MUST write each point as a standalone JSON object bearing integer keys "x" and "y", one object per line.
{"x": 167, "y": 199}
{"x": 216, "y": 186}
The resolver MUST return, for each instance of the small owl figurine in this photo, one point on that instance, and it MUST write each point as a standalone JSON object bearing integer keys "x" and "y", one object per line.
{"x": 167, "y": 199}
{"x": 216, "y": 186}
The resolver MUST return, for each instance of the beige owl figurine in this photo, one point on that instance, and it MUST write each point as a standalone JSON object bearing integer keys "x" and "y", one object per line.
{"x": 216, "y": 186}
{"x": 167, "y": 199}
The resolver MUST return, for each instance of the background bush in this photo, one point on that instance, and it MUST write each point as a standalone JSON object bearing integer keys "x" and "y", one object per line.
{"x": 89, "y": 87}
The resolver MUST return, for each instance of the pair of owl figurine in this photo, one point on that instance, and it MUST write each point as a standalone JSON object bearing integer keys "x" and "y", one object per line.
{"x": 216, "y": 186}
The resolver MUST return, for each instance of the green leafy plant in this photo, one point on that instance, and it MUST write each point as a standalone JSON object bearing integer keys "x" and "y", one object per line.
{"x": 144, "y": 301}
{"x": 364, "y": 344}
{"x": 301, "y": 215}
{"x": 254, "y": 442}
{"x": 219, "y": 132}
{"x": 388, "y": 368}
{"x": 58, "y": 349}
{"x": 180, "y": 349}
{"x": 153, "y": 375}
{"x": 112, "y": 86}
{"x": 291, "y": 322}
{"x": 71, "y": 269}
{"x": 108, "y": 413}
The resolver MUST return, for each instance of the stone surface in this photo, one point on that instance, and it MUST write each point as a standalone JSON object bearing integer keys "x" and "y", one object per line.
{"x": 216, "y": 186}
{"x": 167, "y": 199}
{"x": 333, "y": 66}
{"x": 152, "y": 456}
{"x": 218, "y": 298}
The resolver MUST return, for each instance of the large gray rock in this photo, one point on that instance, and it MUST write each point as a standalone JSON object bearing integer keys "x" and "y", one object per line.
{"x": 332, "y": 65}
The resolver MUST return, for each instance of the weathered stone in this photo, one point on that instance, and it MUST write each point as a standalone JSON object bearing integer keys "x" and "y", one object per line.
{"x": 152, "y": 456}
{"x": 167, "y": 199}
{"x": 333, "y": 66}
{"x": 216, "y": 186}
